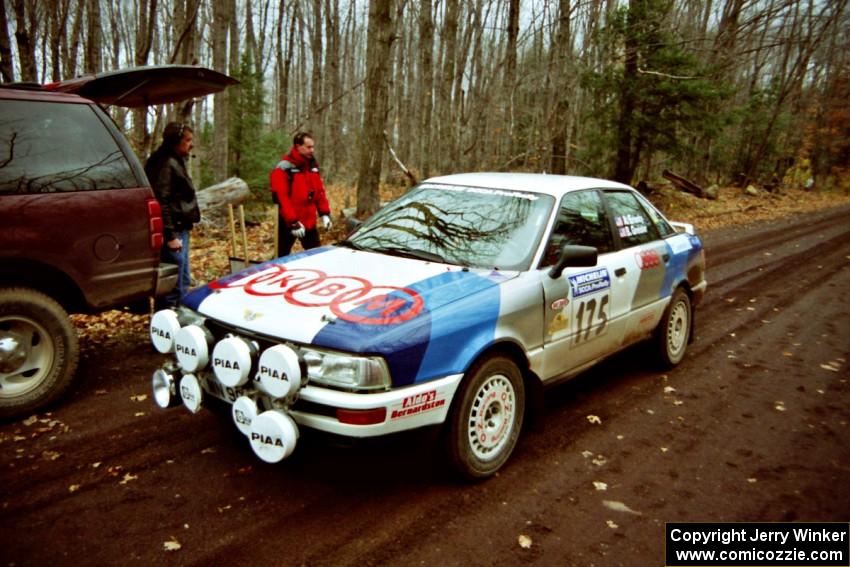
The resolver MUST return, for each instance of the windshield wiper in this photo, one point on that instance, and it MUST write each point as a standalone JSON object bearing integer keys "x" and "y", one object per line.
{"x": 405, "y": 253}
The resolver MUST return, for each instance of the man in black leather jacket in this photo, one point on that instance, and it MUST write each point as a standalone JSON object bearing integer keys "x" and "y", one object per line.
{"x": 166, "y": 170}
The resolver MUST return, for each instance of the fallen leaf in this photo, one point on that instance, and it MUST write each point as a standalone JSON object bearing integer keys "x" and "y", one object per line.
{"x": 612, "y": 525}
{"x": 829, "y": 367}
{"x": 594, "y": 419}
{"x": 30, "y": 420}
{"x": 619, "y": 507}
{"x": 172, "y": 545}
{"x": 669, "y": 389}
{"x": 127, "y": 478}
{"x": 587, "y": 454}
{"x": 51, "y": 455}
{"x": 524, "y": 541}
{"x": 96, "y": 465}
{"x": 73, "y": 488}
{"x": 600, "y": 485}
{"x": 139, "y": 397}
{"x": 780, "y": 406}
{"x": 599, "y": 460}
{"x": 664, "y": 449}
{"x": 139, "y": 414}
{"x": 752, "y": 480}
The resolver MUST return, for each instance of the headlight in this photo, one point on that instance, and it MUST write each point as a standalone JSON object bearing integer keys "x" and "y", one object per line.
{"x": 346, "y": 371}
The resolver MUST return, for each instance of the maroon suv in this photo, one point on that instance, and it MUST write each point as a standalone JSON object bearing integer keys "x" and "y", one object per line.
{"x": 80, "y": 229}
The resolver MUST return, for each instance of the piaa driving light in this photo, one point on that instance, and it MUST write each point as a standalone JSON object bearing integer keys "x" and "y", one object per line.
{"x": 164, "y": 388}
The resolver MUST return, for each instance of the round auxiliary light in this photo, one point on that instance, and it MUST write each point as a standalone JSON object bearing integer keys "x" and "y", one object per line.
{"x": 163, "y": 328}
{"x": 164, "y": 389}
{"x": 279, "y": 373}
{"x": 191, "y": 344}
{"x": 243, "y": 411}
{"x": 232, "y": 361}
{"x": 273, "y": 435}
{"x": 191, "y": 393}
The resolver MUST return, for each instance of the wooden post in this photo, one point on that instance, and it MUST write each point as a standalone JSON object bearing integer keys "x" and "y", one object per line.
{"x": 275, "y": 225}
{"x": 232, "y": 229}
{"x": 244, "y": 233}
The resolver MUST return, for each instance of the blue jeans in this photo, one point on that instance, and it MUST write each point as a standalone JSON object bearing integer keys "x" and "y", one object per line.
{"x": 184, "y": 277}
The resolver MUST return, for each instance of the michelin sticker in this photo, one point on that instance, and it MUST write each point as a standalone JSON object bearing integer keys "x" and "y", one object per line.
{"x": 589, "y": 282}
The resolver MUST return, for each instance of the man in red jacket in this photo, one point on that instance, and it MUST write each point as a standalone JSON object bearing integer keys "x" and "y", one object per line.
{"x": 298, "y": 189}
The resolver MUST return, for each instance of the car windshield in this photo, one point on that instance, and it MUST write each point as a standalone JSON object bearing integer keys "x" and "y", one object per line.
{"x": 467, "y": 226}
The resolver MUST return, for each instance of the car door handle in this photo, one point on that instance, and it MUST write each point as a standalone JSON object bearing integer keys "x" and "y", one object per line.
{"x": 620, "y": 272}
{"x": 665, "y": 257}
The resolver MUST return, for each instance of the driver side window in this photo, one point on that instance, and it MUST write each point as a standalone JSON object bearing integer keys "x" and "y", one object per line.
{"x": 581, "y": 220}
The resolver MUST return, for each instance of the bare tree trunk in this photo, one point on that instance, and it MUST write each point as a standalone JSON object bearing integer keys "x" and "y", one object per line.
{"x": 146, "y": 10}
{"x": 60, "y": 9}
{"x": 316, "y": 68}
{"x": 379, "y": 42}
{"x": 448, "y": 45}
{"x": 509, "y": 76}
{"x": 625, "y": 164}
{"x": 426, "y": 85}
{"x": 221, "y": 24}
{"x": 94, "y": 41}
{"x": 7, "y": 68}
{"x": 24, "y": 34}
{"x": 70, "y": 57}
{"x": 335, "y": 148}
{"x": 559, "y": 121}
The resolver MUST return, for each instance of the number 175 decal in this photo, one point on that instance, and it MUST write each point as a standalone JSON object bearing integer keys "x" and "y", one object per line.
{"x": 591, "y": 318}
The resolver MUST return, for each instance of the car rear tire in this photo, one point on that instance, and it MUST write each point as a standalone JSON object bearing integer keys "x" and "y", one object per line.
{"x": 38, "y": 351}
{"x": 674, "y": 330}
{"x": 486, "y": 418}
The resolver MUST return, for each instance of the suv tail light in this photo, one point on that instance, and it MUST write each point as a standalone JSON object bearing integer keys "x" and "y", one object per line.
{"x": 155, "y": 224}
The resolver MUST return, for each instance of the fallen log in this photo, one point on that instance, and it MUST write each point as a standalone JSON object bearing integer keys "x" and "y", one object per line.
{"x": 231, "y": 191}
{"x": 684, "y": 184}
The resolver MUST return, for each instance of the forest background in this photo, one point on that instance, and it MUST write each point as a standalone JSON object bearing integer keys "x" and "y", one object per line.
{"x": 720, "y": 91}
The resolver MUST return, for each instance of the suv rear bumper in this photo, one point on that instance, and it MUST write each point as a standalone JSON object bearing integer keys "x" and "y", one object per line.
{"x": 166, "y": 278}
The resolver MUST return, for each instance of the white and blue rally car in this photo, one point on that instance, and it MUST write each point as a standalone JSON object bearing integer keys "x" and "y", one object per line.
{"x": 455, "y": 304}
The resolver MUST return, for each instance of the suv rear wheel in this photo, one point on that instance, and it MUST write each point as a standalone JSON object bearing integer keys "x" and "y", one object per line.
{"x": 38, "y": 351}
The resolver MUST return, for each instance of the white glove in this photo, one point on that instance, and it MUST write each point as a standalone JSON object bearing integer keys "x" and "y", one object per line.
{"x": 327, "y": 223}
{"x": 297, "y": 230}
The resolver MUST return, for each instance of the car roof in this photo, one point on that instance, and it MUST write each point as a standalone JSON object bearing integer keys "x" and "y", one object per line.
{"x": 29, "y": 92}
{"x": 555, "y": 185}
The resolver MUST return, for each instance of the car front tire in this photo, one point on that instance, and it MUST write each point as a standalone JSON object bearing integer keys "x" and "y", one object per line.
{"x": 38, "y": 351}
{"x": 485, "y": 421}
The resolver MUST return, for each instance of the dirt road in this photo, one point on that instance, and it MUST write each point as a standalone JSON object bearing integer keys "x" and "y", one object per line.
{"x": 753, "y": 426}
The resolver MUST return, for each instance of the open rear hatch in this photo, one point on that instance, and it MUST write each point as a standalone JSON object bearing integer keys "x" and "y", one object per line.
{"x": 143, "y": 86}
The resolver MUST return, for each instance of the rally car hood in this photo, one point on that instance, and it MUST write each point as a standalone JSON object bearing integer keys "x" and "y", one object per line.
{"x": 352, "y": 300}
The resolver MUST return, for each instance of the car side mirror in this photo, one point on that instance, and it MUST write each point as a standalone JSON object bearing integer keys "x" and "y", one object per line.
{"x": 573, "y": 256}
